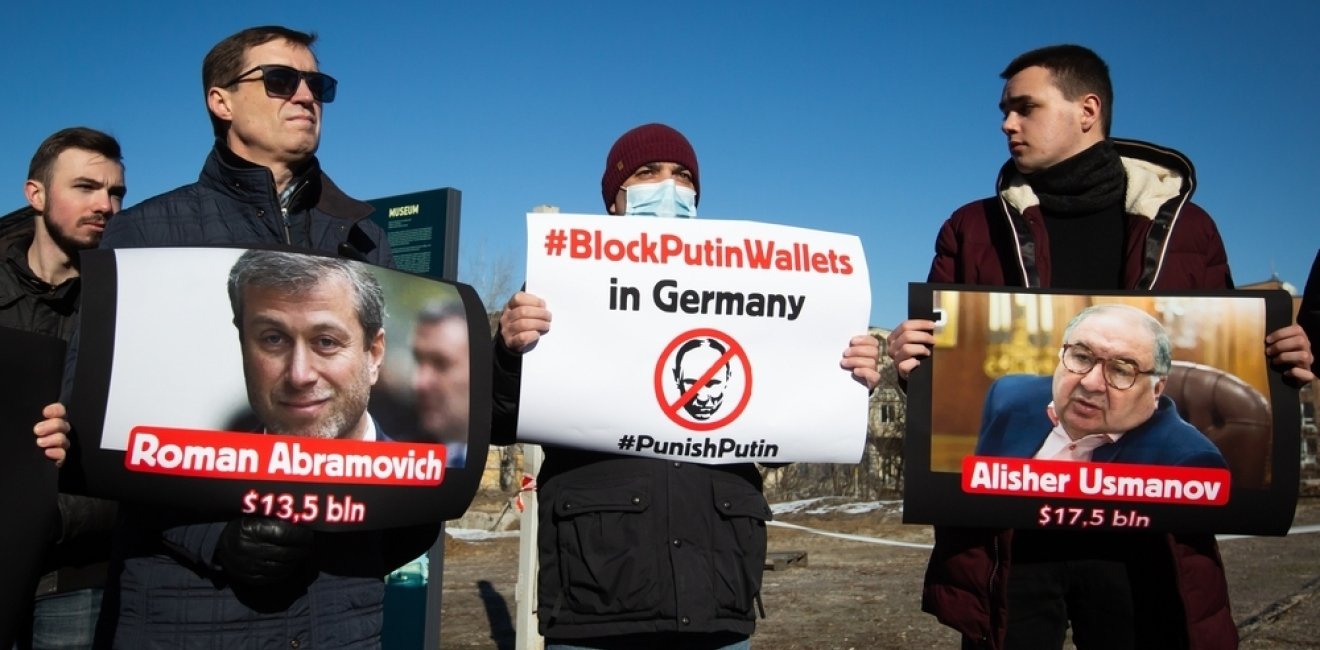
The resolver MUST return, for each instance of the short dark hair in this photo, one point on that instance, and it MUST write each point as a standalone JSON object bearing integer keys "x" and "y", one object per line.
{"x": 297, "y": 273}
{"x": 225, "y": 60}
{"x": 1076, "y": 70}
{"x": 438, "y": 312}
{"x": 77, "y": 137}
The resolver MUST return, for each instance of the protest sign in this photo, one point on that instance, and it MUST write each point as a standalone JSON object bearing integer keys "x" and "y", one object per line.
{"x": 701, "y": 340}
{"x": 996, "y": 418}
{"x": 28, "y": 480}
{"x": 207, "y": 380}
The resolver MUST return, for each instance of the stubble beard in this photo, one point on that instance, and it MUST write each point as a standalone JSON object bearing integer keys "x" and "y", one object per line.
{"x": 68, "y": 242}
{"x": 347, "y": 409}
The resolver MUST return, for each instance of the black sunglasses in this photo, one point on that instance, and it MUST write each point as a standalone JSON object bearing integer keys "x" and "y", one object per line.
{"x": 282, "y": 81}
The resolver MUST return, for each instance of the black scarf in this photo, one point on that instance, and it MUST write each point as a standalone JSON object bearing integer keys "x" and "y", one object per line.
{"x": 1088, "y": 182}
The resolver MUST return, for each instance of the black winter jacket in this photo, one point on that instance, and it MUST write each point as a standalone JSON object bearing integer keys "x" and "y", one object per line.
{"x": 234, "y": 202}
{"x": 170, "y": 591}
{"x": 26, "y": 302}
{"x": 632, "y": 545}
{"x": 77, "y": 560}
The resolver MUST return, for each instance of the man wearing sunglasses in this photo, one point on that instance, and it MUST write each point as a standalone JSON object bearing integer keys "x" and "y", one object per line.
{"x": 1108, "y": 402}
{"x": 261, "y": 184}
{"x": 254, "y": 581}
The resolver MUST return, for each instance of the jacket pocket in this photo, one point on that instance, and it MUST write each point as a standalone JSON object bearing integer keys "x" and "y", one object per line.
{"x": 739, "y": 546}
{"x": 607, "y": 547}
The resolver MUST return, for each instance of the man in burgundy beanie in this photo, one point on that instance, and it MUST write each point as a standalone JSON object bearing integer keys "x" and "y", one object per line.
{"x": 642, "y": 553}
{"x": 649, "y": 153}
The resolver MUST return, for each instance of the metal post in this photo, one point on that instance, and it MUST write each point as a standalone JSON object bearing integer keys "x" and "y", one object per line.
{"x": 528, "y": 637}
{"x": 435, "y": 590}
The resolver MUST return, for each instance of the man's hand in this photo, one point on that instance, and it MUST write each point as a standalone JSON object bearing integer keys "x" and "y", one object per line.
{"x": 862, "y": 357}
{"x": 1290, "y": 350}
{"x": 260, "y": 551}
{"x": 909, "y": 343}
{"x": 53, "y": 433}
{"x": 523, "y": 322}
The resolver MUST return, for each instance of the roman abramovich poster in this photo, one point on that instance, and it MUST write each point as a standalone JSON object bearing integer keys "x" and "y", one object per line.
{"x": 315, "y": 389}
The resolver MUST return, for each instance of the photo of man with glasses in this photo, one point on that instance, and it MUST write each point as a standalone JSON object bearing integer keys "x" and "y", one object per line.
{"x": 1105, "y": 402}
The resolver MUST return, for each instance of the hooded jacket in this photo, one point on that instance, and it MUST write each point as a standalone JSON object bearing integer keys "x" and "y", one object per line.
{"x": 81, "y": 543}
{"x": 26, "y": 302}
{"x": 1171, "y": 243}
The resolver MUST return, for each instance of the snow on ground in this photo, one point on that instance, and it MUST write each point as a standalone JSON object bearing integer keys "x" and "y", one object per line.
{"x": 827, "y": 505}
{"x": 478, "y": 535}
{"x": 816, "y": 506}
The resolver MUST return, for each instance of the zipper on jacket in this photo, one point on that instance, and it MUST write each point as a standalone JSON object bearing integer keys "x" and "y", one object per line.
{"x": 285, "y": 199}
{"x": 990, "y": 583}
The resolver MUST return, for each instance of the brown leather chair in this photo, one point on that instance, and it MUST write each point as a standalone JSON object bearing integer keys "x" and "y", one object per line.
{"x": 1232, "y": 414}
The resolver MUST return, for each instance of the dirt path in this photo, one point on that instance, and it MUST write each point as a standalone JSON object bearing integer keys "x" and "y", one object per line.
{"x": 861, "y": 595}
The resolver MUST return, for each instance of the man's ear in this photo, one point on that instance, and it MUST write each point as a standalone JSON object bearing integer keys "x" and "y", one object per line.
{"x": 613, "y": 207}
{"x": 1159, "y": 387}
{"x": 35, "y": 191}
{"x": 376, "y": 354}
{"x": 1091, "y": 112}
{"x": 220, "y": 102}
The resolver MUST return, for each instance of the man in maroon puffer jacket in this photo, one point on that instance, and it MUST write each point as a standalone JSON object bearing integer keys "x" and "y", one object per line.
{"x": 1076, "y": 209}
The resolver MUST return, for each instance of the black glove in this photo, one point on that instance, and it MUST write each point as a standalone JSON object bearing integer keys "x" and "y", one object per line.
{"x": 259, "y": 551}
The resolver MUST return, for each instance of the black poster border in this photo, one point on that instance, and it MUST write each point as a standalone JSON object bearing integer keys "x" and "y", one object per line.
{"x": 104, "y": 473}
{"x": 932, "y": 497}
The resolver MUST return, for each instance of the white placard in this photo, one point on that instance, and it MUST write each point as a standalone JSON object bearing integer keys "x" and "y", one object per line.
{"x": 706, "y": 341}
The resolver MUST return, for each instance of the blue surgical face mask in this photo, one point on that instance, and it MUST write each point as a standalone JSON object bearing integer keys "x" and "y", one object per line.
{"x": 663, "y": 199}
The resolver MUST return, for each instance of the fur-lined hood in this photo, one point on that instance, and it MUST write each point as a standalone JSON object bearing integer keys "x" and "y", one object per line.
{"x": 1155, "y": 175}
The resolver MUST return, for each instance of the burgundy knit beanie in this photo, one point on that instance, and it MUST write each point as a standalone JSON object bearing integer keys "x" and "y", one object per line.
{"x": 646, "y": 144}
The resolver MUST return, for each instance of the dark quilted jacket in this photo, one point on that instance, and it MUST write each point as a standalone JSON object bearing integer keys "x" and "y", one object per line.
{"x": 234, "y": 202}
{"x": 631, "y": 545}
{"x": 1001, "y": 241}
{"x": 27, "y": 303}
{"x": 170, "y": 593}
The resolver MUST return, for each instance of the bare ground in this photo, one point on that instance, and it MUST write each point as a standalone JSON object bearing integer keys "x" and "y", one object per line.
{"x": 859, "y": 595}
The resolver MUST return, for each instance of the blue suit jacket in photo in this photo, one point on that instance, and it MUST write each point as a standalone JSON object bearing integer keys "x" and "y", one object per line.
{"x": 1014, "y": 424}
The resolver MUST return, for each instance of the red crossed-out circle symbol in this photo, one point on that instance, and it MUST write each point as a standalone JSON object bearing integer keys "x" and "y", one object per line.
{"x": 733, "y": 356}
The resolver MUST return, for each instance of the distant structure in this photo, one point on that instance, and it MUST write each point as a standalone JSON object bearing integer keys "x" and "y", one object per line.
{"x": 1275, "y": 282}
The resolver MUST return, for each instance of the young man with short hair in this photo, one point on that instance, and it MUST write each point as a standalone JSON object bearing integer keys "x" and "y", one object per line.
{"x": 1077, "y": 209}
{"x": 75, "y": 185}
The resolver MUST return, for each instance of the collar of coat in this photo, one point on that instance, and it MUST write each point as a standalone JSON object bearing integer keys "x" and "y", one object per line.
{"x": 1155, "y": 175}
{"x": 249, "y": 182}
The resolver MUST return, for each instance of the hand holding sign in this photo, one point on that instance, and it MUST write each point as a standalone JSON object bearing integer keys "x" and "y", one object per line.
{"x": 52, "y": 433}
{"x": 523, "y": 321}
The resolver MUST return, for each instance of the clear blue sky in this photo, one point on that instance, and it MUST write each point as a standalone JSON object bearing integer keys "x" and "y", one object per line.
{"x": 872, "y": 118}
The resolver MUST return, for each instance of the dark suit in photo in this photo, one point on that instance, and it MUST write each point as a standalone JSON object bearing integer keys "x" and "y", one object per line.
{"x": 1014, "y": 424}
